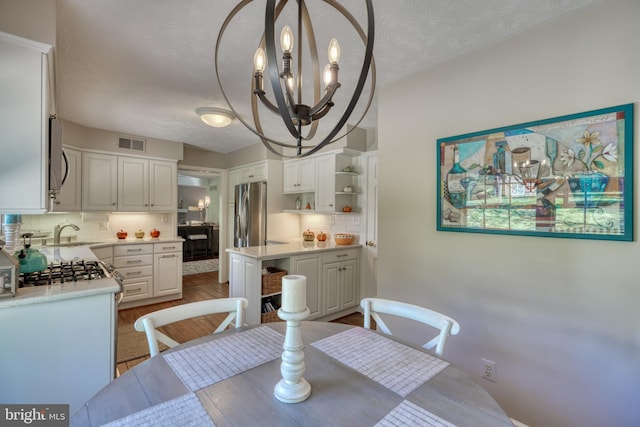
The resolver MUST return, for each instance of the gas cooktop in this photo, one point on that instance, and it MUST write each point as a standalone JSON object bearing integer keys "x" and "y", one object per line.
{"x": 61, "y": 272}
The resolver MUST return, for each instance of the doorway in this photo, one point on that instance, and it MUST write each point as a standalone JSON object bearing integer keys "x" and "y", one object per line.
{"x": 199, "y": 196}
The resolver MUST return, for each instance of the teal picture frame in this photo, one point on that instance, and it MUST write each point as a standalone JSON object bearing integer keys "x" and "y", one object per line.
{"x": 568, "y": 176}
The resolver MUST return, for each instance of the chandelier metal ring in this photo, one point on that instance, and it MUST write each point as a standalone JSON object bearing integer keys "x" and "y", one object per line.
{"x": 282, "y": 106}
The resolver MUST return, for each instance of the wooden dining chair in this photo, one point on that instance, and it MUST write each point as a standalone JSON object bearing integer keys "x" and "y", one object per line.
{"x": 373, "y": 307}
{"x": 150, "y": 322}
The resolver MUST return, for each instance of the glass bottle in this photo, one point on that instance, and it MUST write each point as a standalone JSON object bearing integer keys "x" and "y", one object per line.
{"x": 457, "y": 193}
{"x": 298, "y": 203}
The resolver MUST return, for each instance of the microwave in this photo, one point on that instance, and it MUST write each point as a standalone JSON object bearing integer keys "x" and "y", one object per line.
{"x": 9, "y": 273}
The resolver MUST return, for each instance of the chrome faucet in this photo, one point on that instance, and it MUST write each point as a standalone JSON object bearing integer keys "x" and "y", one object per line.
{"x": 58, "y": 229}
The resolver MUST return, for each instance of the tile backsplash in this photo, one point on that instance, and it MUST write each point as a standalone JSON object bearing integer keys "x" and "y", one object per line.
{"x": 332, "y": 224}
{"x": 102, "y": 226}
{"x": 99, "y": 226}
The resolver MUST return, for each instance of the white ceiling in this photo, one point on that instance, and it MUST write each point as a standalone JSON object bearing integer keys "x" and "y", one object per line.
{"x": 142, "y": 67}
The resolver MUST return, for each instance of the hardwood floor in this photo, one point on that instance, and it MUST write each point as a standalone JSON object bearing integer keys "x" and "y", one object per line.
{"x": 195, "y": 287}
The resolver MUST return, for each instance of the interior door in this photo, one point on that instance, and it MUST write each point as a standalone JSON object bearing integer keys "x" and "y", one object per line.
{"x": 371, "y": 241}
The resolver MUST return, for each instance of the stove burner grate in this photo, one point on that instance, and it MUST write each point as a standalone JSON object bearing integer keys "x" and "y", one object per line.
{"x": 61, "y": 272}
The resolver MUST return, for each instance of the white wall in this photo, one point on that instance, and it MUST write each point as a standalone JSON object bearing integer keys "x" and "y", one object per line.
{"x": 560, "y": 317}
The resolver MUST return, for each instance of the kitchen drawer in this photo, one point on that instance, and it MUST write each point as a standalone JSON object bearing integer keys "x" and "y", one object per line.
{"x": 161, "y": 248}
{"x": 123, "y": 250}
{"x": 337, "y": 256}
{"x": 135, "y": 289}
{"x": 135, "y": 272}
{"x": 132, "y": 261}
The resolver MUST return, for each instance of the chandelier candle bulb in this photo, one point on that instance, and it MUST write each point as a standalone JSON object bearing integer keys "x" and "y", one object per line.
{"x": 294, "y": 293}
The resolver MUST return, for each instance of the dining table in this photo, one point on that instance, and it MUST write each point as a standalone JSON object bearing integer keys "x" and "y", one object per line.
{"x": 358, "y": 377}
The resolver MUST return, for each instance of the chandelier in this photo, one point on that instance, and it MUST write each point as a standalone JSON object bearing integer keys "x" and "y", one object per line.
{"x": 280, "y": 90}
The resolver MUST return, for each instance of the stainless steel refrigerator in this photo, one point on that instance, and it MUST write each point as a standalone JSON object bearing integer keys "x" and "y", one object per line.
{"x": 250, "y": 222}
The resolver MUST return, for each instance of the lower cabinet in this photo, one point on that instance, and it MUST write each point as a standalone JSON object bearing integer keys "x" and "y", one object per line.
{"x": 167, "y": 269}
{"x": 310, "y": 266}
{"x": 339, "y": 281}
{"x": 333, "y": 286}
{"x": 135, "y": 264}
{"x": 152, "y": 272}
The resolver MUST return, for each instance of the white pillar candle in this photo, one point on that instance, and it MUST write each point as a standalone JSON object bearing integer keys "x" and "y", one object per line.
{"x": 294, "y": 293}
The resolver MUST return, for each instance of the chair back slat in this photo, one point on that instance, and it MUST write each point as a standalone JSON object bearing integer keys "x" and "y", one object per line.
{"x": 149, "y": 323}
{"x": 373, "y": 307}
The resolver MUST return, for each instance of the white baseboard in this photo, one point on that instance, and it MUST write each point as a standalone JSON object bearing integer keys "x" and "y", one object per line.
{"x": 518, "y": 423}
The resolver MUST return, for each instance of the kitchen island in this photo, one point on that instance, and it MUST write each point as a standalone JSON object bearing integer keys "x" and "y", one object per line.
{"x": 58, "y": 341}
{"x": 332, "y": 272}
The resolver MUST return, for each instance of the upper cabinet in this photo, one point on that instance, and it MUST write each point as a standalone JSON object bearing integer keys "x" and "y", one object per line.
{"x": 24, "y": 101}
{"x": 253, "y": 172}
{"x": 128, "y": 184}
{"x": 163, "y": 185}
{"x": 99, "y": 182}
{"x": 335, "y": 182}
{"x": 146, "y": 185}
{"x": 299, "y": 176}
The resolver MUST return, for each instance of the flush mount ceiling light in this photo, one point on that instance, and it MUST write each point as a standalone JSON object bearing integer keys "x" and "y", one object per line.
{"x": 216, "y": 117}
{"x": 299, "y": 101}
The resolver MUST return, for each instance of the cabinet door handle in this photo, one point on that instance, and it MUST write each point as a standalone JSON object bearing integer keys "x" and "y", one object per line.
{"x": 137, "y": 261}
{"x": 168, "y": 256}
{"x": 342, "y": 255}
{"x": 134, "y": 250}
{"x": 129, "y": 291}
{"x": 164, "y": 248}
{"x": 133, "y": 273}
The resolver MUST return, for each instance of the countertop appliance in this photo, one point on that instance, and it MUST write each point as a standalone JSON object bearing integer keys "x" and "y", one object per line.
{"x": 250, "y": 223}
{"x": 8, "y": 273}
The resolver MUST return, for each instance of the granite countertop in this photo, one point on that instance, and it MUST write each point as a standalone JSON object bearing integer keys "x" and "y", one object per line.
{"x": 296, "y": 247}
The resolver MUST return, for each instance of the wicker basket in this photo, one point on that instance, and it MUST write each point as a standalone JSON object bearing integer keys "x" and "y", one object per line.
{"x": 270, "y": 317}
{"x": 272, "y": 281}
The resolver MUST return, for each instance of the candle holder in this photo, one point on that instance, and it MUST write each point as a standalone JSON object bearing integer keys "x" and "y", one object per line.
{"x": 292, "y": 388}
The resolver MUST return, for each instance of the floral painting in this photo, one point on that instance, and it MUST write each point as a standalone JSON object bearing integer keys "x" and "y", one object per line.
{"x": 569, "y": 176}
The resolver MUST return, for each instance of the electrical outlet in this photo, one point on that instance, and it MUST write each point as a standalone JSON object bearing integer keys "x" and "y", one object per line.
{"x": 489, "y": 371}
{"x": 165, "y": 218}
{"x": 103, "y": 225}
{"x": 356, "y": 220}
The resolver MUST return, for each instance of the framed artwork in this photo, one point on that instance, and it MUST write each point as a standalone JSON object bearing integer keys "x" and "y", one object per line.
{"x": 569, "y": 176}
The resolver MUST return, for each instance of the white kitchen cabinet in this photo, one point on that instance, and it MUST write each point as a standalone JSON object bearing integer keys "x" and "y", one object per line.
{"x": 254, "y": 172}
{"x": 99, "y": 182}
{"x": 332, "y": 180}
{"x": 163, "y": 186}
{"x": 146, "y": 185}
{"x": 299, "y": 176}
{"x": 310, "y": 266}
{"x": 133, "y": 184}
{"x": 135, "y": 264}
{"x": 167, "y": 269}
{"x": 245, "y": 280}
{"x": 24, "y": 101}
{"x": 325, "y": 184}
{"x": 340, "y": 280}
{"x": 70, "y": 196}
{"x": 58, "y": 351}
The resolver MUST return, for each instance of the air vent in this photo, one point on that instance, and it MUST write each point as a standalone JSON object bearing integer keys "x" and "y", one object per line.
{"x": 131, "y": 144}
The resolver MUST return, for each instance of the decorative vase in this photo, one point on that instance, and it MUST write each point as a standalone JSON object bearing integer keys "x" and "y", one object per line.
{"x": 587, "y": 188}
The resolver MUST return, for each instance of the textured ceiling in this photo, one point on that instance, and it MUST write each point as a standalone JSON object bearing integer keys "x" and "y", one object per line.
{"x": 142, "y": 67}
